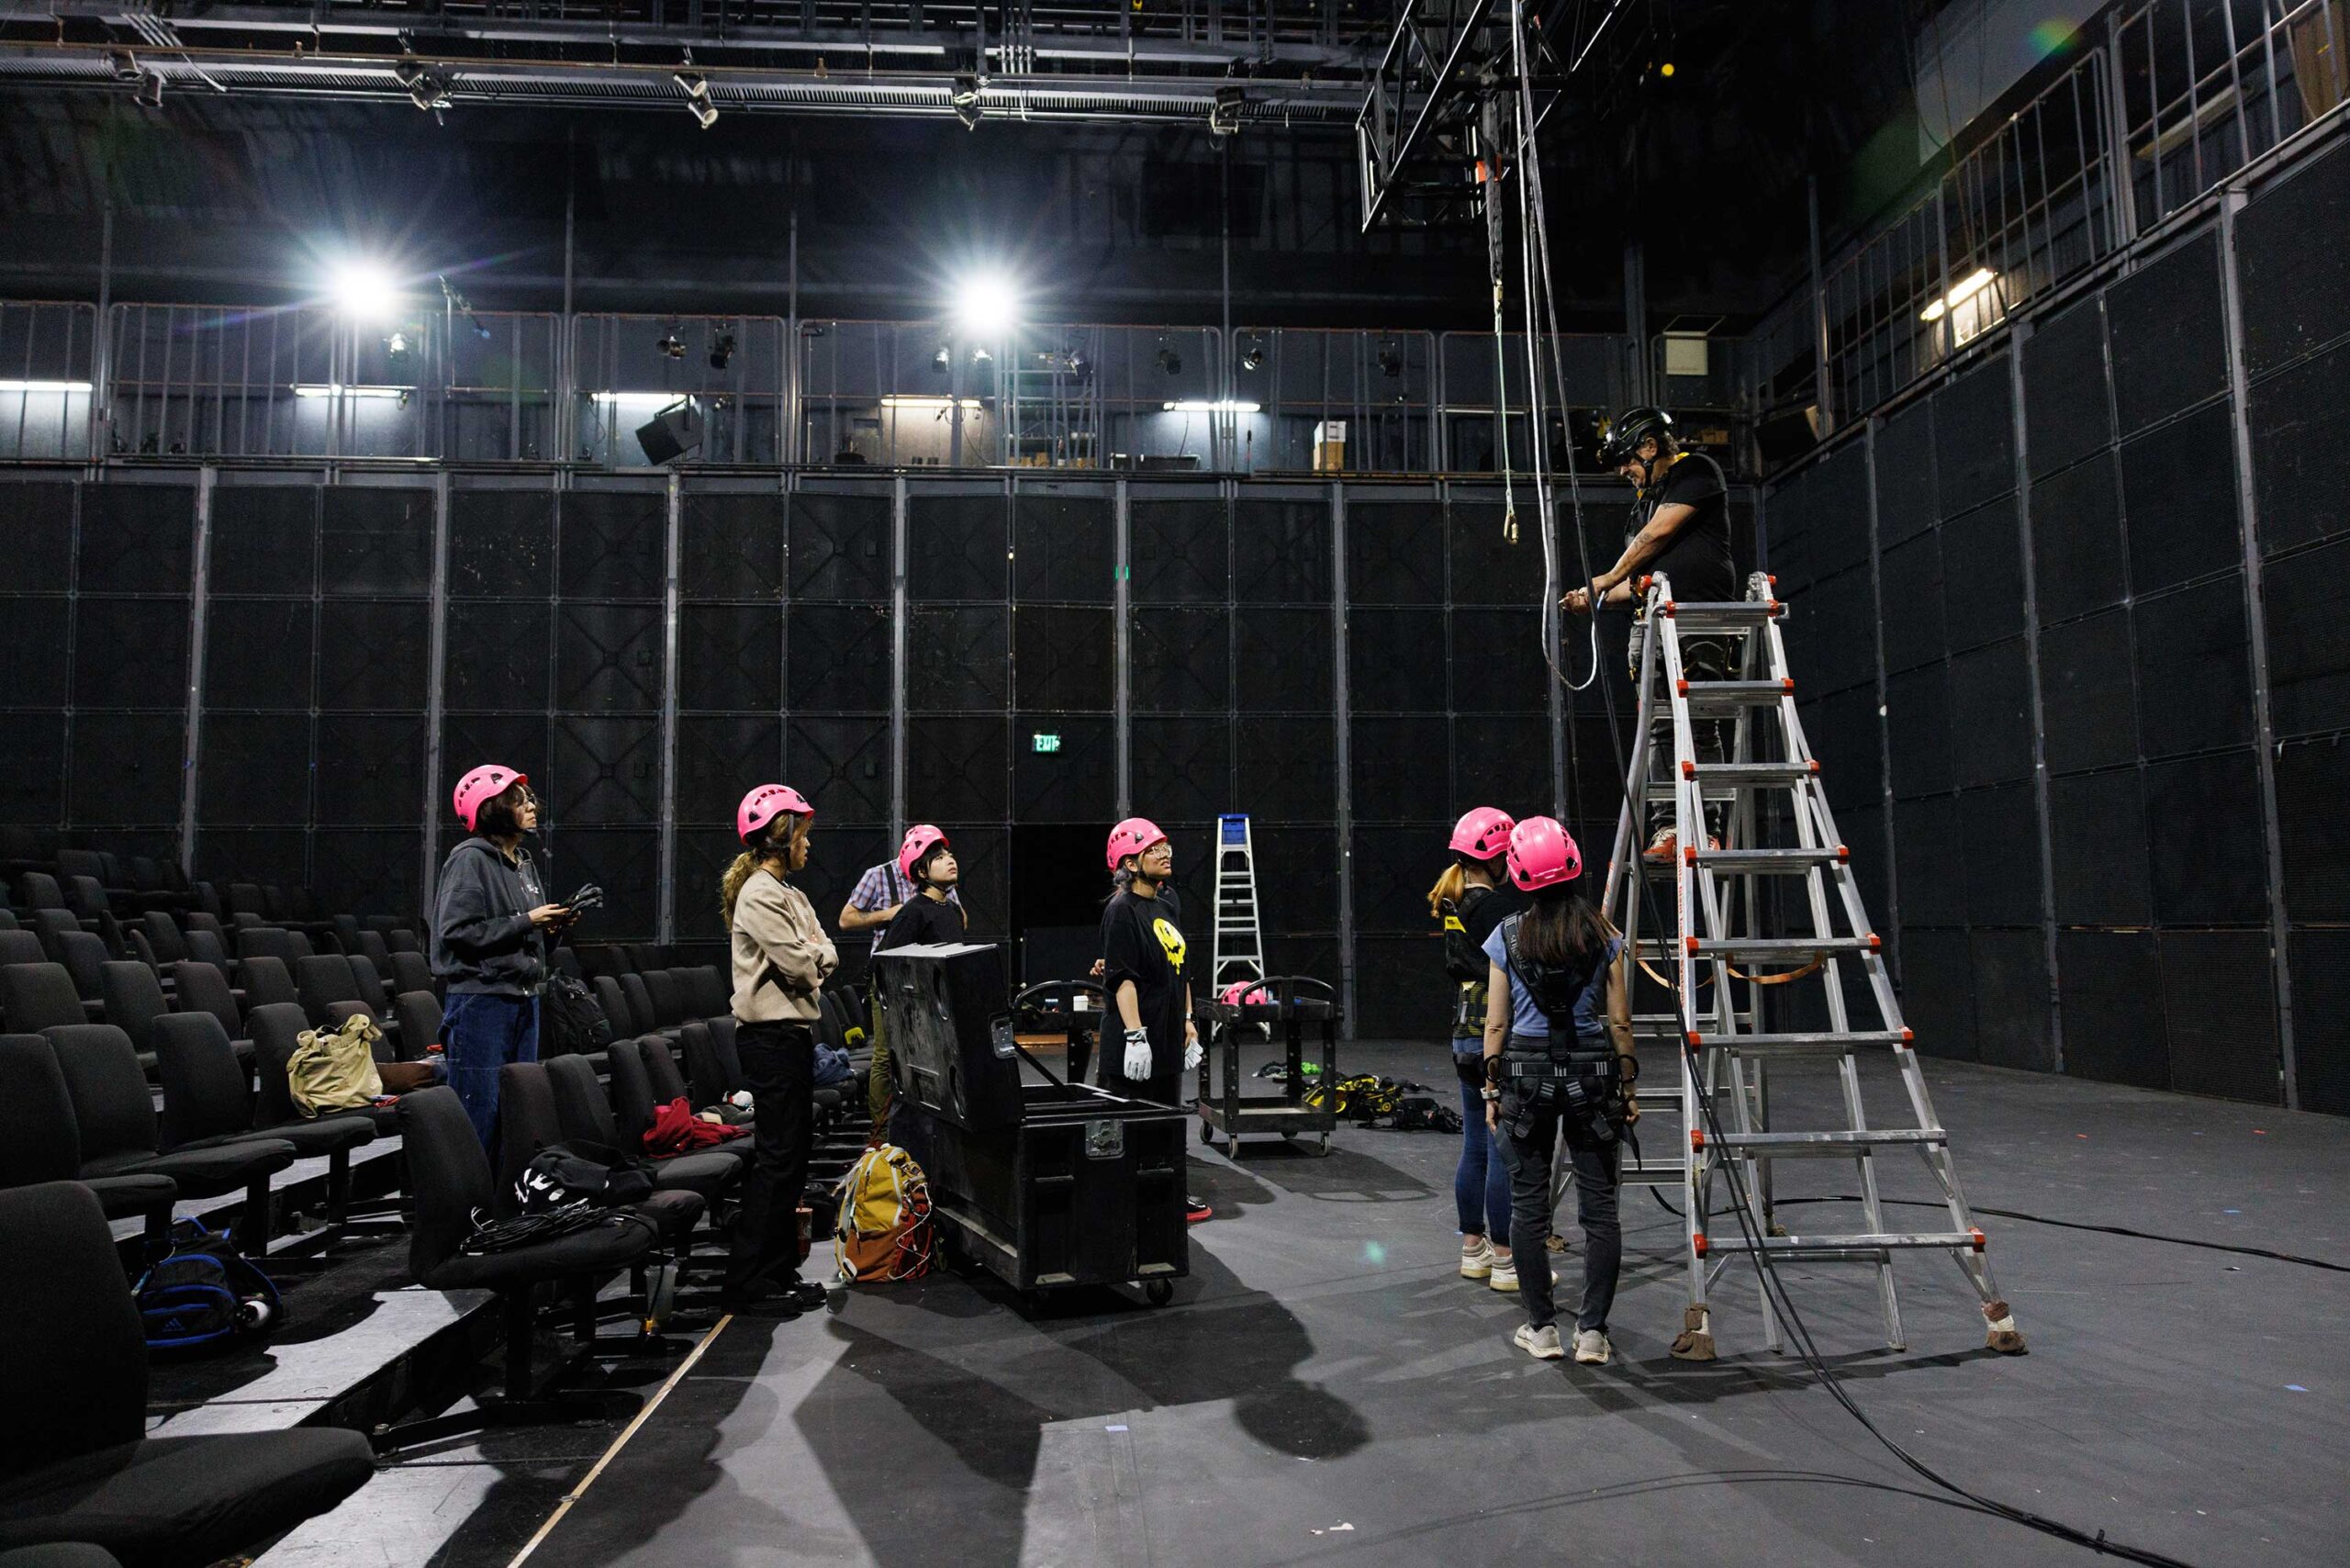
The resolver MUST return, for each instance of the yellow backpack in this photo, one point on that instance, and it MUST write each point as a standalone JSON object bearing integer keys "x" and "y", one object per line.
{"x": 883, "y": 1230}
{"x": 335, "y": 1069}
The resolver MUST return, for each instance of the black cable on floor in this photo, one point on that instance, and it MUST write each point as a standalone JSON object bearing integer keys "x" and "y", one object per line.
{"x": 2084, "y": 1224}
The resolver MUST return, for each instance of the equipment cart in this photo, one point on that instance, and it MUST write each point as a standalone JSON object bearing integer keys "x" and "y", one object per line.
{"x": 1292, "y": 1003}
{"x": 1041, "y": 1180}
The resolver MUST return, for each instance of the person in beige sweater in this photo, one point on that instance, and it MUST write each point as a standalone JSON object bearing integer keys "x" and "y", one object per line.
{"x": 781, "y": 960}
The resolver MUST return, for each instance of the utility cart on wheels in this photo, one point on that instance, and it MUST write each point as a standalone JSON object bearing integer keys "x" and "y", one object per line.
{"x": 1042, "y": 1181}
{"x": 1286, "y": 1006}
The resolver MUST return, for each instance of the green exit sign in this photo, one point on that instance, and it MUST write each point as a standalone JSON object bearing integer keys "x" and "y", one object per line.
{"x": 1044, "y": 743}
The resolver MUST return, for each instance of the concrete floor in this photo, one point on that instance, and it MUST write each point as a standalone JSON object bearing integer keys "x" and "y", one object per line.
{"x": 1326, "y": 1385}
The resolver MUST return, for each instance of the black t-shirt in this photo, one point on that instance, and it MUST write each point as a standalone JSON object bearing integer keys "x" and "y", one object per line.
{"x": 1696, "y": 560}
{"x": 921, "y": 920}
{"x": 1141, "y": 941}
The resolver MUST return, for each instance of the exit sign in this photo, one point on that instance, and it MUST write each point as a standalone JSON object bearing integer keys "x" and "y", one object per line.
{"x": 1044, "y": 743}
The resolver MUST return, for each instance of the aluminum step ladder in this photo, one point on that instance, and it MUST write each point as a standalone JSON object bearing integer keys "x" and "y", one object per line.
{"x": 1728, "y": 941}
{"x": 1236, "y": 951}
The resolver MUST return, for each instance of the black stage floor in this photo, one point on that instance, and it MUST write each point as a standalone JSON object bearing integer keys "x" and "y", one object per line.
{"x": 1325, "y": 1386}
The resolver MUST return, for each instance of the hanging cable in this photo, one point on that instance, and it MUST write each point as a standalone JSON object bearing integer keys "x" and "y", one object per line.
{"x": 1536, "y": 242}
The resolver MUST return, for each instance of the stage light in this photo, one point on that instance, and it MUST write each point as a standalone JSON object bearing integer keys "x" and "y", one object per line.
{"x": 1965, "y": 290}
{"x": 1224, "y": 115}
{"x": 671, "y": 345}
{"x": 1169, "y": 360}
{"x": 704, "y": 112}
{"x": 1665, "y": 69}
{"x": 363, "y": 291}
{"x": 426, "y": 91}
{"x": 124, "y": 64}
{"x": 1391, "y": 363}
{"x": 1210, "y": 405}
{"x": 963, "y": 98}
{"x": 721, "y": 350}
{"x": 150, "y": 92}
{"x": 944, "y": 360}
{"x": 1253, "y": 356}
{"x": 985, "y": 305}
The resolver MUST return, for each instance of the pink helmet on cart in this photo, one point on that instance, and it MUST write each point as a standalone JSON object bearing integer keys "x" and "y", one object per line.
{"x": 763, "y": 805}
{"x": 1245, "y": 993}
{"x": 480, "y": 787}
{"x": 1133, "y": 836}
{"x": 1542, "y": 854}
{"x": 919, "y": 839}
{"x": 1483, "y": 834}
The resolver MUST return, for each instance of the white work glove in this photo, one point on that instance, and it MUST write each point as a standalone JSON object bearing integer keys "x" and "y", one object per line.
{"x": 1137, "y": 1056}
{"x": 1193, "y": 1054}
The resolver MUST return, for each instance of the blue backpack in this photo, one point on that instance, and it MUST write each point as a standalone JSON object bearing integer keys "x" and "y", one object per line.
{"x": 204, "y": 1293}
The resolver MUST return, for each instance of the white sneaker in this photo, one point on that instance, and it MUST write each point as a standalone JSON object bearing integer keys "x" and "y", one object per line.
{"x": 1592, "y": 1348}
{"x": 1541, "y": 1343}
{"x": 1477, "y": 1259}
{"x": 1504, "y": 1275}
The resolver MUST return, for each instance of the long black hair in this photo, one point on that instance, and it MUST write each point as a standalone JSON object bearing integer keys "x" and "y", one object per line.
{"x": 1561, "y": 927}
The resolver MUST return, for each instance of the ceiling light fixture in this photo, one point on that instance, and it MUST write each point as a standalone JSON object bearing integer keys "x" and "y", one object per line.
{"x": 1965, "y": 289}
{"x": 1212, "y": 406}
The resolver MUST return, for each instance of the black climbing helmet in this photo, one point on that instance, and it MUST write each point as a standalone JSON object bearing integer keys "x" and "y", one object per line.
{"x": 1621, "y": 440}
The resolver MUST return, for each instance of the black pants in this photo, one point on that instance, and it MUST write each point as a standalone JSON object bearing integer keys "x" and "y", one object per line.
{"x": 1702, "y": 658}
{"x": 780, "y": 1065}
{"x": 1533, "y": 1132}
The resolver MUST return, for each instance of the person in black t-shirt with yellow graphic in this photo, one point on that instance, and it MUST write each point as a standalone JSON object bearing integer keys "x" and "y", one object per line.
{"x": 1680, "y": 528}
{"x": 1143, "y": 954}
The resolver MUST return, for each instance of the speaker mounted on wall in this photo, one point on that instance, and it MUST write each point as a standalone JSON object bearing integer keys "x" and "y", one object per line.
{"x": 671, "y": 433}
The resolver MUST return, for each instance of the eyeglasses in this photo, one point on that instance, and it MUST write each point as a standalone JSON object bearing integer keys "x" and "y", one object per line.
{"x": 525, "y": 797}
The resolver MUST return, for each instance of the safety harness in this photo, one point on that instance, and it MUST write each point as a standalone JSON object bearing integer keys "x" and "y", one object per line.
{"x": 1565, "y": 1052}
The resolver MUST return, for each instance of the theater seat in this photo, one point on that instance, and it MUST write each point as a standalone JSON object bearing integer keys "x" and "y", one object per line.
{"x": 73, "y": 1417}
{"x": 207, "y": 1104}
{"x": 528, "y": 1122}
{"x": 40, "y": 1143}
{"x": 586, "y": 1116}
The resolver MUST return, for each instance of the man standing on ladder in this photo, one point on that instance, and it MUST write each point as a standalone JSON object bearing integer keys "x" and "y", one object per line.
{"x": 1680, "y": 526}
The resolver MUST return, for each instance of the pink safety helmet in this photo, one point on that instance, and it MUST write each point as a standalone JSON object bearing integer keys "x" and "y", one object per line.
{"x": 762, "y": 805}
{"x": 1133, "y": 836}
{"x": 1483, "y": 834}
{"x": 919, "y": 838}
{"x": 480, "y": 787}
{"x": 1542, "y": 854}
{"x": 1240, "y": 993}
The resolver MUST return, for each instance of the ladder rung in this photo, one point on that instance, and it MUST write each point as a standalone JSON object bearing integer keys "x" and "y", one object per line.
{"x": 1701, "y": 614}
{"x": 1862, "y": 1241}
{"x": 1783, "y": 948}
{"x": 1800, "y": 1045}
{"x": 1770, "y": 860}
{"x": 1734, "y": 693}
{"x": 1828, "y": 1144}
{"x": 1747, "y": 775}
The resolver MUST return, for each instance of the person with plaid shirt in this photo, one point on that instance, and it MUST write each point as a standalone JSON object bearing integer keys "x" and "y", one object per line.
{"x": 872, "y": 904}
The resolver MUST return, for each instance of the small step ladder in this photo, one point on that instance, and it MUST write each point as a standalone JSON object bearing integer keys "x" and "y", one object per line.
{"x": 1721, "y": 929}
{"x": 1237, "y": 949}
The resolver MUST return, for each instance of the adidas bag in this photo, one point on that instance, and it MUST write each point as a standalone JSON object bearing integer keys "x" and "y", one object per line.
{"x": 883, "y": 1231}
{"x": 205, "y": 1293}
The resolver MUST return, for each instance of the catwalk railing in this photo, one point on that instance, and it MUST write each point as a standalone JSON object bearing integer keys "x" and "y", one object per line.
{"x": 2163, "y": 101}
{"x": 433, "y": 380}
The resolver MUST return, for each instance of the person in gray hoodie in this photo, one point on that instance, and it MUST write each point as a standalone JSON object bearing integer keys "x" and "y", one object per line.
{"x": 491, "y": 926}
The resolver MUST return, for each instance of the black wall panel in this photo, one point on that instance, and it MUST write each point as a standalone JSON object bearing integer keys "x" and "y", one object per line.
{"x": 2077, "y": 553}
{"x": 371, "y": 774}
{"x": 1990, "y": 707}
{"x": 1917, "y": 731}
{"x": 1297, "y": 880}
{"x": 958, "y": 547}
{"x": 728, "y": 657}
{"x": 2112, "y": 997}
{"x": 1062, "y": 547}
{"x": 719, "y": 757}
{"x": 958, "y": 658}
{"x": 258, "y": 652}
{"x": 1285, "y": 660}
{"x": 1180, "y": 660}
{"x": 264, "y": 539}
{"x": 2321, "y": 961}
{"x": 1395, "y": 660}
{"x": 1938, "y": 991}
{"x": 501, "y": 655}
{"x": 2087, "y": 693}
{"x": 2194, "y": 669}
{"x": 1399, "y": 769}
{"x": 1395, "y": 553}
{"x": 2204, "y": 840}
{"x": 2313, "y": 824}
{"x": 502, "y": 543}
{"x": 1982, "y": 596}
{"x": 2098, "y": 841}
{"x": 1393, "y": 869}
{"x": 1063, "y": 656}
{"x": 1975, "y": 443}
{"x": 2164, "y": 323}
{"x": 625, "y": 862}
{"x": 2000, "y": 829}
{"x": 838, "y": 657}
{"x": 32, "y": 769}
{"x": 38, "y": 518}
{"x": 2303, "y": 600}
{"x": 2218, "y": 1000}
{"x": 1078, "y": 783}
{"x": 1282, "y": 550}
{"x": 1181, "y": 767}
{"x": 2295, "y": 278}
{"x": 1930, "y": 862}
{"x": 959, "y": 767}
{"x": 1911, "y": 581}
{"x": 2299, "y": 424}
{"x": 731, "y": 545}
{"x": 1180, "y": 552}
{"x": 136, "y": 539}
{"x": 608, "y": 658}
{"x": 372, "y": 655}
{"x": 1497, "y": 661}
{"x": 1400, "y": 993}
{"x": 256, "y": 771}
{"x": 130, "y": 652}
{"x": 2065, "y": 408}
{"x": 1497, "y": 759}
{"x": 1908, "y": 496}
{"x": 2012, "y": 1027}
{"x": 2178, "y": 487}
{"x": 125, "y": 768}
{"x": 375, "y": 542}
{"x": 614, "y": 544}
{"x": 606, "y": 772}
{"x": 33, "y": 662}
{"x": 840, "y": 547}
{"x": 1488, "y": 569}
{"x": 842, "y": 763}
{"x": 1288, "y": 771}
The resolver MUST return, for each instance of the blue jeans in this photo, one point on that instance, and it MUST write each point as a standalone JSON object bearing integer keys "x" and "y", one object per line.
{"x": 482, "y": 1034}
{"x": 1481, "y": 1185}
